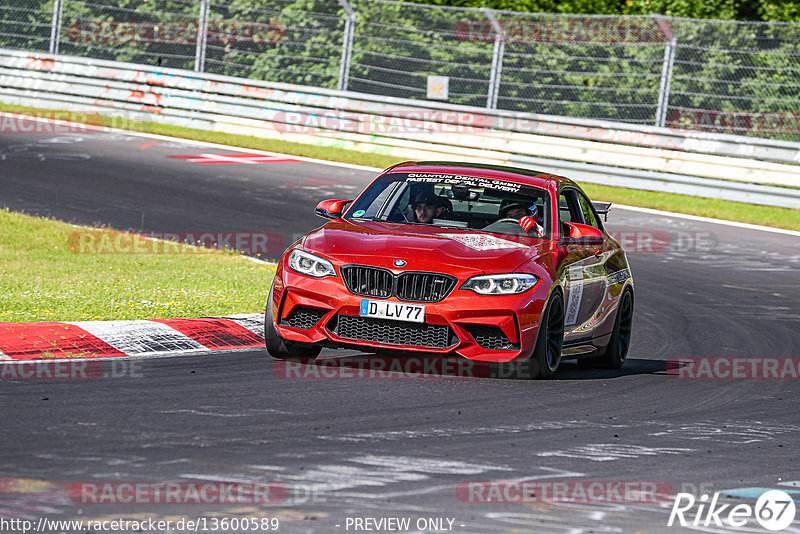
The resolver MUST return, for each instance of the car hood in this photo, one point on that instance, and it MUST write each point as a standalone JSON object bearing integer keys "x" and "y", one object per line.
{"x": 423, "y": 248}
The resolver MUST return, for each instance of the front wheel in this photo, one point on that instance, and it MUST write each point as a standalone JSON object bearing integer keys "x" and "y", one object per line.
{"x": 283, "y": 349}
{"x": 550, "y": 342}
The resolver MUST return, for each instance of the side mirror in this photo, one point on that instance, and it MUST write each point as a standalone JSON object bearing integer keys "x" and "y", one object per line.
{"x": 331, "y": 209}
{"x": 583, "y": 231}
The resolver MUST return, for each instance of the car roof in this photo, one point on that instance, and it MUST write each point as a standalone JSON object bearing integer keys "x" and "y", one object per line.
{"x": 480, "y": 170}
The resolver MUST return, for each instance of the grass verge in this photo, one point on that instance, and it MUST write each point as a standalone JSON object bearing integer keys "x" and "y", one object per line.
{"x": 719, "y": 209}
{"x": 705, "y": 207}
{"x": 44, "y": 278}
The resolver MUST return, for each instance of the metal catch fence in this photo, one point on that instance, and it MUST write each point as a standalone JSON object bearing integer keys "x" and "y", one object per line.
{"x": 719, "y": 76}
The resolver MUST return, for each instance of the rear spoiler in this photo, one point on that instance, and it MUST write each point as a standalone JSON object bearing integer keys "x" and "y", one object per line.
{"x": 602, "y": 208}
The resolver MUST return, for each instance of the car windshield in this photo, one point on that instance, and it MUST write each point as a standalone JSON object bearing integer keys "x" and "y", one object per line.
{"x": 455, "y": 201}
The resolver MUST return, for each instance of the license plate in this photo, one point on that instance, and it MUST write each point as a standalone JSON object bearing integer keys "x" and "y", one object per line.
{"x": 397, "y": 311}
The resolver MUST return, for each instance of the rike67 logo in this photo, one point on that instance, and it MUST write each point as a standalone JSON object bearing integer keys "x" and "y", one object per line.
{"x": 774, "y": 510}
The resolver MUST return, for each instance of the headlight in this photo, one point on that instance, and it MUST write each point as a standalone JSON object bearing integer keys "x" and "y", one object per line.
{"x": 500, "y": 284}
{"x": 310, "y": 265}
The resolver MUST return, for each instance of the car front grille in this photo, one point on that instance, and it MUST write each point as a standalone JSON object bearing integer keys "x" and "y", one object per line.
{"x": 424, "y": 287}
{"x": 409, "y": 286}
{"x": 368, "y": 281}
{"x": 490, "y": 337}
{"x": 433, "y": 336}
{"x": 303, "y": 317}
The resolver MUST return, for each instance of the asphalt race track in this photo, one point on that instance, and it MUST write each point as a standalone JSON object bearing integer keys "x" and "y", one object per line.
{"x": 392, "y": 447}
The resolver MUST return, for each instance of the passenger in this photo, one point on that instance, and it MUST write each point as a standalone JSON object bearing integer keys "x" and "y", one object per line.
{"x": 527, "y": 217}
{"x": 444, "y": 208}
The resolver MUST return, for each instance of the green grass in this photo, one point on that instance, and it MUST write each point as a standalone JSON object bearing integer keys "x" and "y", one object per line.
{"x": 44, "y": 278}
{"x": 720, "y": 209}
{"x": 705, "y": 207}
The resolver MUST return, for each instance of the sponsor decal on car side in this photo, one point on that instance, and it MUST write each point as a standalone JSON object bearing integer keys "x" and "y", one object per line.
{"x": 575, "y": 285}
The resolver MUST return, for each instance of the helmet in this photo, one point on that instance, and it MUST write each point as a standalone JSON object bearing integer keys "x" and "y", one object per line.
{"x": 510, "y": 204}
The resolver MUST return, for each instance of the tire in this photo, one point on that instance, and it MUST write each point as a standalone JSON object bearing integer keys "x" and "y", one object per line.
{"x": 283, "y": 349}
{"x": 617, "y": 348}
{"x": 550, "y": 341}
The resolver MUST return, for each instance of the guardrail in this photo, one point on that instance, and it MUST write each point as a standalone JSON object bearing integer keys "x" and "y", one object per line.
{"x": 732, "y": 167}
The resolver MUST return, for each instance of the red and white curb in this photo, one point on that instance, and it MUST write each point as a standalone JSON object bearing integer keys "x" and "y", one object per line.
{"x": 103, "y": 339}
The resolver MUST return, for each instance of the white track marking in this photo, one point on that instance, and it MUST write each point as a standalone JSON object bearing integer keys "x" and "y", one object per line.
{"x": 605, "y": 452}
{"x": 739, "y": 433}
{"x": 396, "y": 435}
{"x": 427, "y": 465}
{"x": 252, "y": 321}
{"x": 139, "y": 337}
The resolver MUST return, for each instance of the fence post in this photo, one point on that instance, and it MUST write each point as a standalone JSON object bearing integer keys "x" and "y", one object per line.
{"x": 202, "y": 33}
{"x": 666, "y": 70}
{"x": 347, "y": 45}
{"x": 497, "y": 59}
{"x": 55, "y": 28}
{"x": 666, "y": 78}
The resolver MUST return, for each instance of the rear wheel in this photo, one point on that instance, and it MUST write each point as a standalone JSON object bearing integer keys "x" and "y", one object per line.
{"x": 617, "y": 348}
{"x": 550, "y": 342}
{"x": 284, "y": 349}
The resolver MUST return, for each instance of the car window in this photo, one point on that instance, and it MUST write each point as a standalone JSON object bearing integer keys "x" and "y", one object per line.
{"x": 462, "y": 202}
{"x": 589, "y": 216}
{"x": 569, "y": 210}
{"x": 568, "y": 207}
{"x": 564, "y": 214}
{"x": 376, "y": 198}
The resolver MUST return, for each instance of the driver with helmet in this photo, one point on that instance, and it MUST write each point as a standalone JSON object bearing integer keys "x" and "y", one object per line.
{"x": 519, "y": 210}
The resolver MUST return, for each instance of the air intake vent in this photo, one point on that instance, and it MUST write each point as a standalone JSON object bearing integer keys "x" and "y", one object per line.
{"x": 490, "y": 337}
{"x": 434, "y": 336}
{"x": 303, "y": 318}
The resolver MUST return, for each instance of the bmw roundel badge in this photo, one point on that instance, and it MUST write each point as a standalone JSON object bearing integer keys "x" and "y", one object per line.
{"x": 399, "y": 263}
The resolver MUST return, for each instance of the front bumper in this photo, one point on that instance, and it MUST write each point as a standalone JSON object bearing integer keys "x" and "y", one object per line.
{"x": 477, "y": 327}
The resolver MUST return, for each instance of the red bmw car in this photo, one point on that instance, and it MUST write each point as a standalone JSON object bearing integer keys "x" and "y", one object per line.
{"x": 489, "y": 263}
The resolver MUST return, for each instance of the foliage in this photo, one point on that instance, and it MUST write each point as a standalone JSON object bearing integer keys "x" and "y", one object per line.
{"x": 720, "y": 66}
